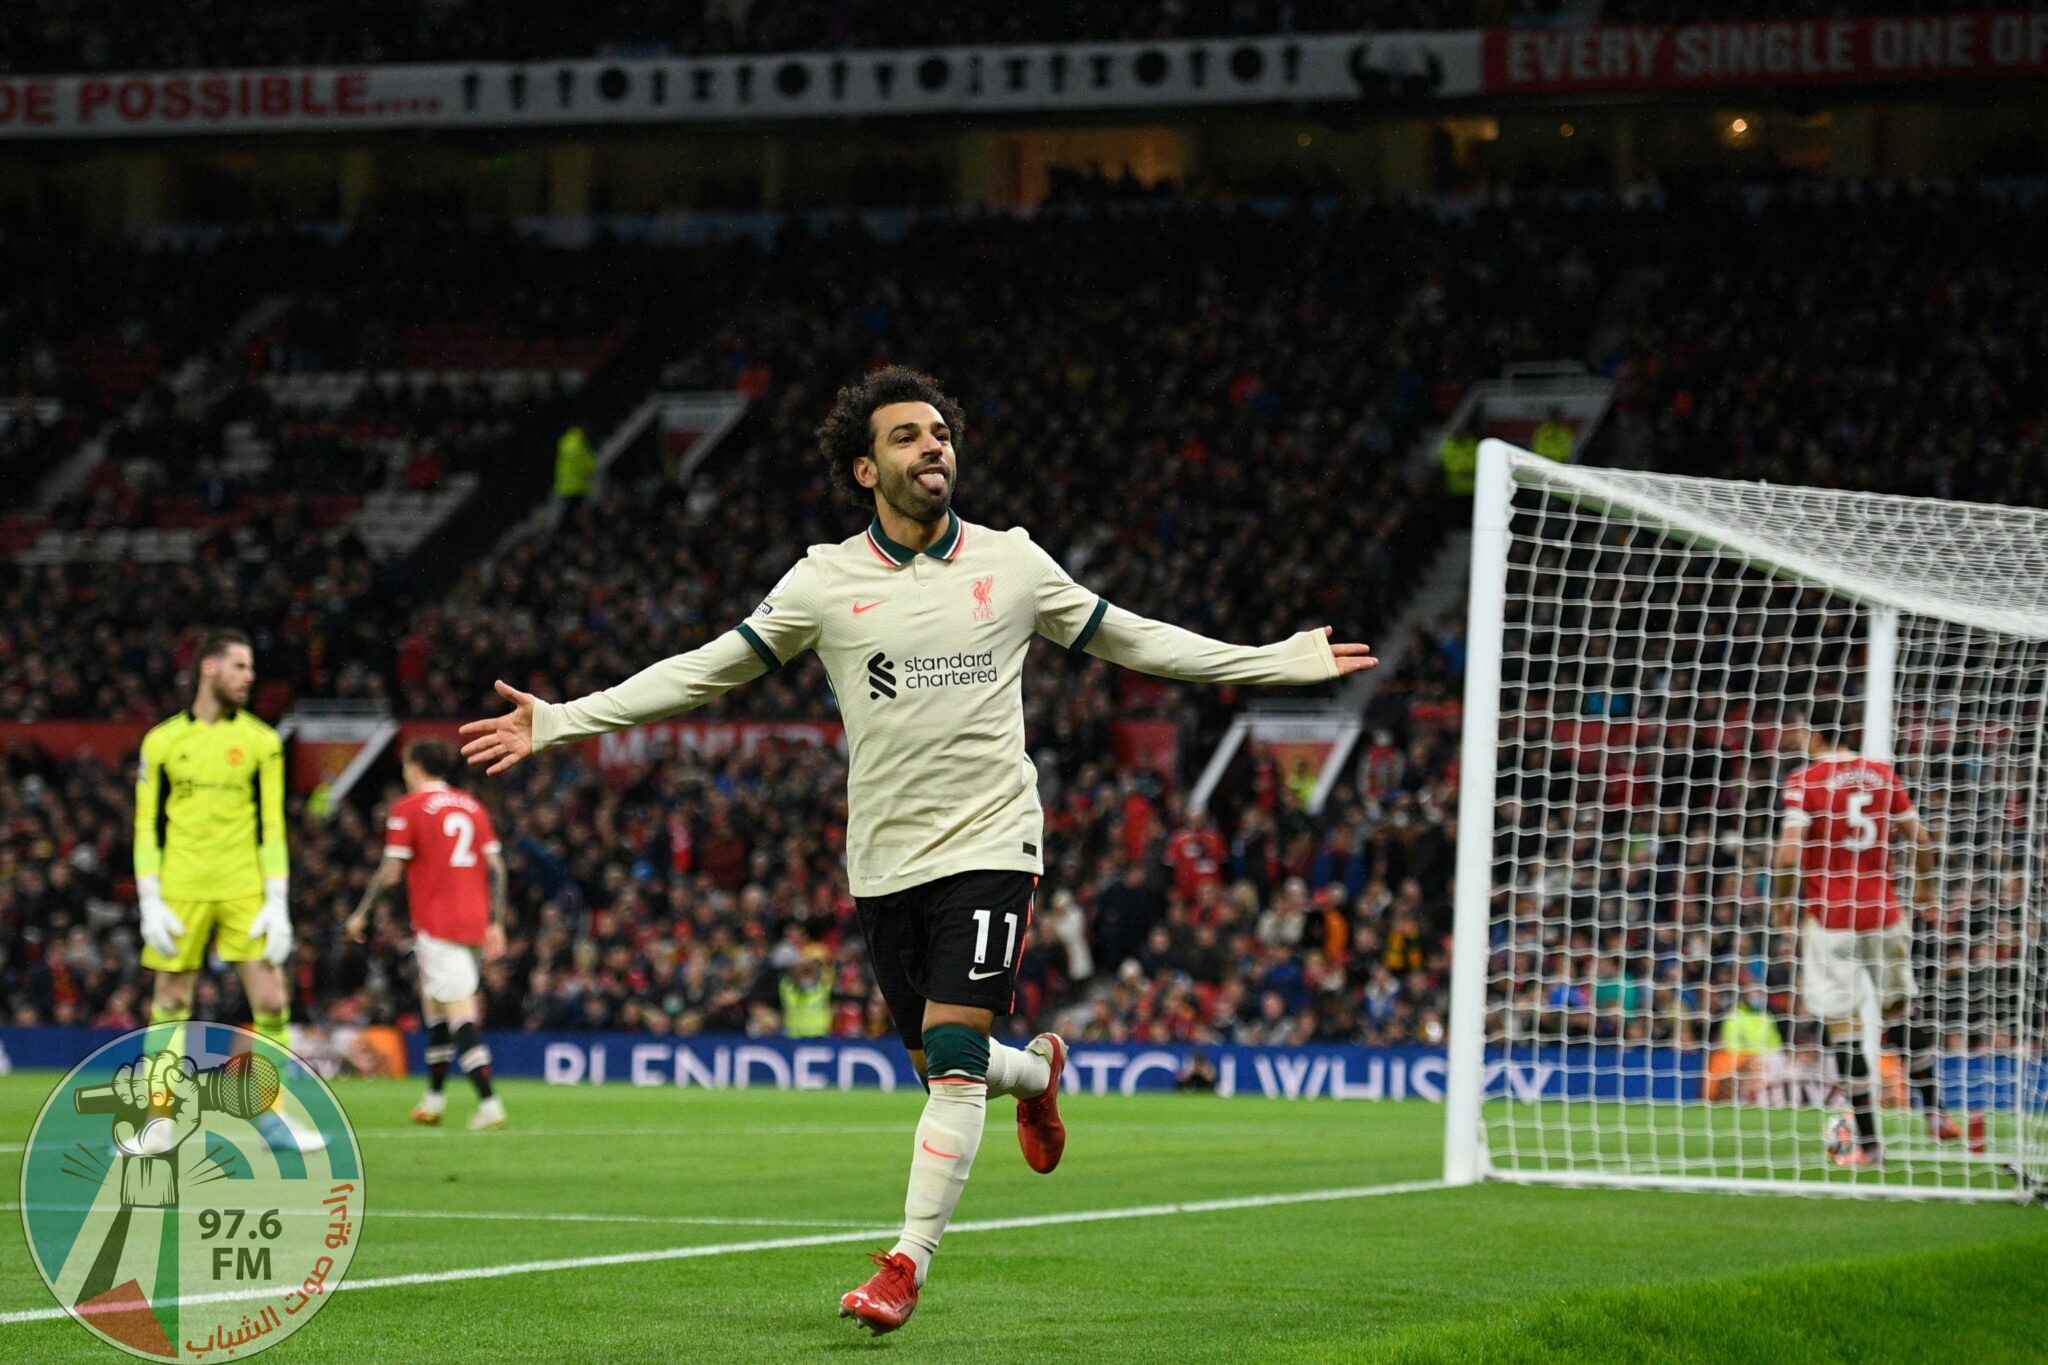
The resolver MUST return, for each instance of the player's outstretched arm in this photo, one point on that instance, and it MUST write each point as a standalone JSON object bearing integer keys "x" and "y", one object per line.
{"x": 1168, "y": 651}
{"x": 677, "y": 684}
{"x": 502, "y": 741}
{"x": 1352, "y": 658}
{"x": 1081, "y": 621}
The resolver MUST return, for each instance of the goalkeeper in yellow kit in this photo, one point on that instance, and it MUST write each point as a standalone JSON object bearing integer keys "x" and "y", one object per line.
{"x": 210, "y": 861}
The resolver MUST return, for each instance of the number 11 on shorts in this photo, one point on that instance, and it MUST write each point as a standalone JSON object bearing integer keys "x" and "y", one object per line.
{"x": 981, "y": 923}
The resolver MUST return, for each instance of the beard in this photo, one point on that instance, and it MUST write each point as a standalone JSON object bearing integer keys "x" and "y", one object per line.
{"x": 225, "y": 695}
{"x": 904, "y": 494}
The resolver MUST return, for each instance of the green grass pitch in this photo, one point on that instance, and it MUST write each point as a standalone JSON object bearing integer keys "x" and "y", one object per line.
{"x": 1491, "y": 1272}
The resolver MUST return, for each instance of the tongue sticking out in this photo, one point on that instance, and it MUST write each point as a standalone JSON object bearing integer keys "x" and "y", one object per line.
{"x": 932, "y": 481}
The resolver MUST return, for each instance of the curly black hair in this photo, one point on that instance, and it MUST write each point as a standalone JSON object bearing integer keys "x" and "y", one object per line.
{"x": 847, "y": 433}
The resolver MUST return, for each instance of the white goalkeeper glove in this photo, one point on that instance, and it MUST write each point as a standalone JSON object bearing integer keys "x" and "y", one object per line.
{"x": 161, "y": 928}
{"x": 273, "y": 923}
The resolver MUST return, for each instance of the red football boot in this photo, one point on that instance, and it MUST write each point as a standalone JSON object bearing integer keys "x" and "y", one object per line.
{"x": 889, "y": 1297}
{"x": 1039, "y": 1130}
{"x": 1941, "y": 1127}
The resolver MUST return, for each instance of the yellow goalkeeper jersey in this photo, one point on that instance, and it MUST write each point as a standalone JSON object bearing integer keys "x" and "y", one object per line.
{"x": 209, "y": 807}
{"x": 925, "y": 650}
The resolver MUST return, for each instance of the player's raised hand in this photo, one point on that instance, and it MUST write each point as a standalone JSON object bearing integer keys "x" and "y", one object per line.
{"x": 1351, "y": 658}
{"x": 505, "y": 740}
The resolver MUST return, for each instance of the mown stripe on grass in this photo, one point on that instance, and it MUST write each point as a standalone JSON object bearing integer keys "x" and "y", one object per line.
{"x": 1983, "y": 1303}
{"x": 550, "y": 1216}
{"x": 493, "y": 1272}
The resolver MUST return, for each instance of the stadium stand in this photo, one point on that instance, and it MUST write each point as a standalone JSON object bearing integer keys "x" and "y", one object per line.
{"x": 1331, "y": 384}
{"x": 56, "y": 35}
{"x": 97, "y": 35}
{"x": 1287, "y": 379}
{"x": 677, "y": 901}
{"x": 1890, "y": 367}
{"x": 268, "y": 478}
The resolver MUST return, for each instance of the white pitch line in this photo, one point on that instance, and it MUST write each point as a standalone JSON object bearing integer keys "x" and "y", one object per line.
{"x": 494, "y": 1272}
{"x": 679, "y": 1219}
{"x": 684, "y": 1129}
{"x": 671, "y": 1133}
{"x": 514, "y": 1216}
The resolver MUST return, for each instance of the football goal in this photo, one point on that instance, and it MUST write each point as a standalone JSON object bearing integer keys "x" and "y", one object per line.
{"x": 1647, "y": 659}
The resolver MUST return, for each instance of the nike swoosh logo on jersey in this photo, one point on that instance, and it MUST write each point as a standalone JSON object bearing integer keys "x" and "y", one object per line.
{"x": 860, "y": 607}
{"x": 983, "y": 976}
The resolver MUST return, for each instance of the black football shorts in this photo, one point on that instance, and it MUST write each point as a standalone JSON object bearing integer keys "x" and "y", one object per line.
{"x": 955, "y": 940}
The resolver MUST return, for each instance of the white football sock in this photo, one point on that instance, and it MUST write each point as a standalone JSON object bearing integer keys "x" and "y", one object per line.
{"x": 1016, "y": 1071}
{"x": 948, "y": 1133}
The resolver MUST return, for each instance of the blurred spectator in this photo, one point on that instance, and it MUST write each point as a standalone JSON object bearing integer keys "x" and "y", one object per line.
{"x": 575, "y": 467}
{"x": 806, "y": 999}
{"x": 1458, "y": 454}
{"x": 1554, "y": 439}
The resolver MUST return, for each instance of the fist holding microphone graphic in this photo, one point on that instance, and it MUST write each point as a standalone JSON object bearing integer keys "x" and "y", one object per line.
{"x": 157, "y": 1100}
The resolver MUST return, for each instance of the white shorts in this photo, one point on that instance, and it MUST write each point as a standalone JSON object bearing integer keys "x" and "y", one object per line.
{"x": 1840, "y": 968}
{"x": 448, "y": 972}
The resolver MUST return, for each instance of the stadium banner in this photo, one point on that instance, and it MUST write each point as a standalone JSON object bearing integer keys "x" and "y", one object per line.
{"x": 1320, "y": 1071}
{"x": 1150, "y": 744}
{"x": 112, "y": 742}
{"x": 332, "y": 751}
{"x": 1379, "y": 68}
{"x": 1768, "y": 52}
{"x": 622, "y": 754}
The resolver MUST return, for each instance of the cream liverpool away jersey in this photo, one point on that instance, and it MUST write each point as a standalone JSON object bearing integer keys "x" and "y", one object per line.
{"x": 925, "y": 651}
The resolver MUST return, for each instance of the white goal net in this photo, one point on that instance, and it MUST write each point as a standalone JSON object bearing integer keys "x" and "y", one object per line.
{"x": 1647, "y": 655}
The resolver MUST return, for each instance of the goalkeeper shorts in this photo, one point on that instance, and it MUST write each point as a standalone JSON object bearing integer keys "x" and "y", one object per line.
{"x": 226, "y": 923}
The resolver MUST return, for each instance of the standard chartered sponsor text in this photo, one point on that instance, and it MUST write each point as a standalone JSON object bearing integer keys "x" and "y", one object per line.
{"x": 949, "y": 670}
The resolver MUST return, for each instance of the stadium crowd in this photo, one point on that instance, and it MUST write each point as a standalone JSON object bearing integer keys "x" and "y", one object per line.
{"x": 693, "y": 897}
{"x": 1283, "y": 379}
{"x": 1281, "y": 361}
{"x": 1280, "y": 384}
{"x": 266, "y": 481}
{"x": 1881, "y": 343}
{"x": 1277, "y": 384}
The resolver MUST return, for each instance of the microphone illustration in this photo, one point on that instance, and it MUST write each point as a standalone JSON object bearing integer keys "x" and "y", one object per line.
{"x": 243, "y": 1086}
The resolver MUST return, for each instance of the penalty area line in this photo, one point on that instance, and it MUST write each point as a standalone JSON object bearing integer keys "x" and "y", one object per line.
{"x": 1041, "y": 1220}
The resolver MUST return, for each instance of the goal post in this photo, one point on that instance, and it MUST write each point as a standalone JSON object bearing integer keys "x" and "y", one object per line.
{"x": 1626, "y": 998}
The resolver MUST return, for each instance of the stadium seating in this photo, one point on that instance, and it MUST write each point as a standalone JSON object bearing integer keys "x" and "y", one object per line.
{"x": 677, "y": 903}
{"x": 1870, "y": 347}
{"x": 1265, "y": 393}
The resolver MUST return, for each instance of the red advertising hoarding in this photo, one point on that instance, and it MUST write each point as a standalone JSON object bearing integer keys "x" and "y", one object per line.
{"x": 1773, "y": 52}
